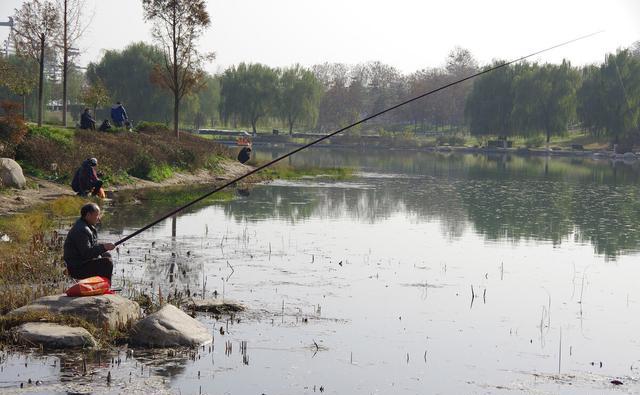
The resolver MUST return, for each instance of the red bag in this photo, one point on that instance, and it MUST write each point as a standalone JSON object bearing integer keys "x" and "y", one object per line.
{"x": 91, "y": 286}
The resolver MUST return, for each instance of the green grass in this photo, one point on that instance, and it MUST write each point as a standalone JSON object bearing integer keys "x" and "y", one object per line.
{"x": 181, "y": 195}
{"x": 161, "y": 172}
{"x": 58, "y": 134}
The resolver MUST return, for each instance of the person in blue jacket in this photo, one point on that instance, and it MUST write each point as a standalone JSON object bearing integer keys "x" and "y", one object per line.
{"x": 118, "y": 115}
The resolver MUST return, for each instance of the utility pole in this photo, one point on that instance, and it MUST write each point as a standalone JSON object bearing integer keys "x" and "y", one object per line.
{"x": 65, "y": 64}
{"x": 7, "y": 42}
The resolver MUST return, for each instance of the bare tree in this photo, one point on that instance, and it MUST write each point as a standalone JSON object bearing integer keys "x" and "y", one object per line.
{"x": 36, "y": 25}
{"x": 177, "y": 26}
{"x": 73, "y": 27}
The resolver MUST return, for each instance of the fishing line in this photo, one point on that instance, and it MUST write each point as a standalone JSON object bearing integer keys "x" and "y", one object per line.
{"x": 363, "y": 120}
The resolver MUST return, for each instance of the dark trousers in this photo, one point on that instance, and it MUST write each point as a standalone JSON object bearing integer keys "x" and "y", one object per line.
{"x": 95, "y": 187}
{"x": 102, "y": 266}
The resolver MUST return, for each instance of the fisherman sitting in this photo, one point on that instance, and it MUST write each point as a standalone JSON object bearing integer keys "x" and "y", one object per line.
{"x": 105, "y": 126}
{"x": 85, "y": 180}
{"x": 244, "y": 155}
{"x": 86, "y": 121}
{"x": 83, "y": 256}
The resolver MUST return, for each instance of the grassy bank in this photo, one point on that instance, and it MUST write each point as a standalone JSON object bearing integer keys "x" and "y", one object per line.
{"x": 153, "y": 153}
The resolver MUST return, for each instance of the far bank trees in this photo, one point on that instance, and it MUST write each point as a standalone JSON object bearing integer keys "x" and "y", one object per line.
{"x": 609, "y": 98}
{"x": 251, "y": 92}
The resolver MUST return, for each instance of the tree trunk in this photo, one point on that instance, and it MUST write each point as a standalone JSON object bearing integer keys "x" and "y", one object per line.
{"x": 291, "y": 126}
{"x": 176, "y": 115}
{"x": 176, "y": 86}
{"x": 65, "y": 66}
{"x": 24, "y": 107}
{"x": 253, "y": 125}
{"x": 41, "y": 82}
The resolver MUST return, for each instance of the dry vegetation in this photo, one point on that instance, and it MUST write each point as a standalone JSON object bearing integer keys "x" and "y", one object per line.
{"x": 31, "y": 263}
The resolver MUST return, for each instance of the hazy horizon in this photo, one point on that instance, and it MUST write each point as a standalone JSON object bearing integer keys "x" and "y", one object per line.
{"x": 410, "y": 36}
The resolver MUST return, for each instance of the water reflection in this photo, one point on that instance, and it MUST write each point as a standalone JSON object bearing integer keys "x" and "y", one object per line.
{"x": 500, "y": 197}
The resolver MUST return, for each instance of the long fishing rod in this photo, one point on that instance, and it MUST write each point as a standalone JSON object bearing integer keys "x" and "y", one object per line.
{"x": 257, "y": 169}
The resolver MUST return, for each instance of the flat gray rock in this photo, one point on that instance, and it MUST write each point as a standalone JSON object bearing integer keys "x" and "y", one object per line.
{"x": 49, "y": 335}
{"x": 112, "y": 310}
{"x": 217, "y": 306}
{"x": 169, "y": 327}
{"x": 11, "y": 174}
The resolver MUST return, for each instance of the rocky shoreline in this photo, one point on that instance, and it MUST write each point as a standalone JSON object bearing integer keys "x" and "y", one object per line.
{"x": 43, "y": 324}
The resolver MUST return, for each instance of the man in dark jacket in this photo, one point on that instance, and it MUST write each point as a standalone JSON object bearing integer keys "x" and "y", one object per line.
{"x": 83, "y": 255}
{"x": 87, "y": 121}
{"x": 89, "y": 181}
{"x": 118, "y": 115}
{"x": 244, "y": 155}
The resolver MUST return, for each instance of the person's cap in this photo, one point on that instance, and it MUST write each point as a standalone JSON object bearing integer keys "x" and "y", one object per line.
{"x": 93, "y": 162}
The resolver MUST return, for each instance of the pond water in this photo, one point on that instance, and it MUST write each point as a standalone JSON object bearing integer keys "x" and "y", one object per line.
{"x": 423, "y": 273}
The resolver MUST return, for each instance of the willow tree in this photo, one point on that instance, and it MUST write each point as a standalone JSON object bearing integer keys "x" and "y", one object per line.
{"x": 609, "y": 98}
{"x": 36, "y": 25}
{"x": 177, "y": 26}
{"x": 299, "y": 96}
{"x": 250, "y": 92}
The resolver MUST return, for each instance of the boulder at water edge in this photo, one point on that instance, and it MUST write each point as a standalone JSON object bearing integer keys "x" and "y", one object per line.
{"x": 11, "y": 174}
{"x": 169, "y": 327}
{"x": 49, "y": 335}
{"x": 111, "y": 310}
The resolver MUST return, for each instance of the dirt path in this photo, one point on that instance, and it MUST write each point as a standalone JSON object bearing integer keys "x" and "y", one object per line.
{"x": 16, "y": 200}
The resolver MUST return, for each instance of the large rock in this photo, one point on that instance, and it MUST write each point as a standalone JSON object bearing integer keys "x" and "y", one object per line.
{"x": 112, "y": 310}
{"x": 169, "y": 327}
{"x": 11, "y": 174}
{"x": 50, "y": 335}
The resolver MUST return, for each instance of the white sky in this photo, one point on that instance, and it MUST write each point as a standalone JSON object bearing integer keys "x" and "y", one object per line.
{"x": 407, "y": 34}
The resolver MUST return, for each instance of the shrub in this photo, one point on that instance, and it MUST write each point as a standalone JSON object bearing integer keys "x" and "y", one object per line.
{"x": 534, "y": 141}
{"x": 13, "y": 130}
{"x": 152, "y": 127}
{"x": 142, "y": 166}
